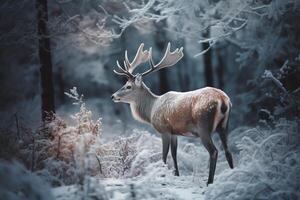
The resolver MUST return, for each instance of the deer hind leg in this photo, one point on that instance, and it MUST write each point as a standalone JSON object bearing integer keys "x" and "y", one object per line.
{"x": 223, "y": 133}
{"x": 174, "y": 153}
{"x": 222, "y": 129}
{"x": 213, "y": 156}
{"x": 205, "y": 128}
{"x": 166, "y": 139}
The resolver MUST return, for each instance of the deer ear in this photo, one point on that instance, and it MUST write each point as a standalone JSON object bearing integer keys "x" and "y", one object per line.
{"x": 138, "y": 80}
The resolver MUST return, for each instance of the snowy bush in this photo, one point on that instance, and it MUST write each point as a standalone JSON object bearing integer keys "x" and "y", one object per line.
{"x": 129, "y": 157}
{"x": 16, "y": 183}
{"x": 137, "y": 156}
{"x": 66, "y": 157}
{"x": 267, "y": 167}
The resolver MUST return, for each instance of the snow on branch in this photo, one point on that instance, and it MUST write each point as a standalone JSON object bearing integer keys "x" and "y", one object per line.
{"x": 73, "y": 94}
{"x": 269, "y": 75}
{"x": 189, "y": 19}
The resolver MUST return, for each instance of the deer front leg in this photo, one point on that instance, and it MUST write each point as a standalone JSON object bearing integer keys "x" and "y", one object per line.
{"x": 166, "y": 138}
{"x": 174, "y": 153}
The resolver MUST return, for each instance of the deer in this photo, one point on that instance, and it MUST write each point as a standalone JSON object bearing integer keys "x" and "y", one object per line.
{"x": 198, "y": 113}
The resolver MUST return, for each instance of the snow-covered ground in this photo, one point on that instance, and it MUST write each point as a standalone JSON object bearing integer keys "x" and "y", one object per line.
{"x": 168, "y": 187}
{"x": 266, "y": 167}
{"x": 148, "y": 177}
{"x": 87, "y": 165}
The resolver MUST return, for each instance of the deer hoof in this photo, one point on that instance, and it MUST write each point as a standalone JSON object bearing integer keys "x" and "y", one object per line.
{"x": 209, "y": 182}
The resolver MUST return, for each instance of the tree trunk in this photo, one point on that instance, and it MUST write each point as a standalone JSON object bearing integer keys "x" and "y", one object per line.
{"x": 221, "y": 66}
{"x": 45, "y": 59}
{"x": 163, "y": 82}
{"x": 183, "y": 68}
{"x": 208, "y": 71}
{"x": 161, "y": 41}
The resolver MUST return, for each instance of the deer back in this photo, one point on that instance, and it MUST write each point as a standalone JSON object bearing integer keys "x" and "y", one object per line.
{"x": 182, "y": 113}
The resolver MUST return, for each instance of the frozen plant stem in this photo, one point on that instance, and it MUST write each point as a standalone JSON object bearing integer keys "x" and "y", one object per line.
{"x": 58, "y": 147}
{"x": 33, "y": 154}
{"x": 17, "y": 126}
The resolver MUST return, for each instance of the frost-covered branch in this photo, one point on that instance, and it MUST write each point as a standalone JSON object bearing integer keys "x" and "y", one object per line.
{"x": 268, "y": 74}
{"x": 189, "y": 19}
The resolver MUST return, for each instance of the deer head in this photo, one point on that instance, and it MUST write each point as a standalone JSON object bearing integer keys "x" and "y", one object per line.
{"x": 134, "y": 87}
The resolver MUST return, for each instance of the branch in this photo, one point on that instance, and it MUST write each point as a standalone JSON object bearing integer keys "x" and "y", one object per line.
{"x": 268, "y": 74}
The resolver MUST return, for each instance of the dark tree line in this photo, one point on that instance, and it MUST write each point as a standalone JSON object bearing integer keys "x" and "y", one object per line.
{"x": 46, "y": 73}
{"x": 160, "y": 42}
{"x": 207, "y": 57}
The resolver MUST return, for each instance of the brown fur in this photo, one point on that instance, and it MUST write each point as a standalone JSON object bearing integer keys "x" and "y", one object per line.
{"x": 182, "y": 113}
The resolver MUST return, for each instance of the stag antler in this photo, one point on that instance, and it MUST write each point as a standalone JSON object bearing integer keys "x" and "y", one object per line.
{"x": 140, "y": 57}
{"x": 169, "y": 59}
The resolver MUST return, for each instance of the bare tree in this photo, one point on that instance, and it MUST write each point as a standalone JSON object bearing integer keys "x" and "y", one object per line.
{"x": 183, "y": 68}
{"x": 160, "y": 41}
{"x": 45, "y": 59}
{"x": 208, "y": 68}
{"x": 221, "y": 65}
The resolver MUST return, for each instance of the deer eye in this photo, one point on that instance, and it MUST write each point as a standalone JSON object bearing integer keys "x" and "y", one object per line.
{"x": 128, "y": 87}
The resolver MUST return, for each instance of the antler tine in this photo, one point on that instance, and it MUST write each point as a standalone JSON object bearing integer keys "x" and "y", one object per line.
{"x": 121, "y": 68}
{"x": 152, "y": 66}
{"x": 141, "y": 56}
{"x": 124, "y": 72}
{"x": 169, "y": 59}
{"x": 127, "y": 65}
{"x": 150, "y": 58}
{"x": 119, "y": 73}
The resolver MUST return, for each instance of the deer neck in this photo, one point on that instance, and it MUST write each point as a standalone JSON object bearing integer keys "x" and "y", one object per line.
{"x": 141, "y": 108}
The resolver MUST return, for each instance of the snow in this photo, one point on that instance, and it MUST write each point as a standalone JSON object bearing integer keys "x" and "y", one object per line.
{"x": 17, "y": 183}
{"x": 266, "y": 167}
{"x": 90, "y": 164}
{"x": 87, "y": 163}
{"x": 168, "y": 187}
